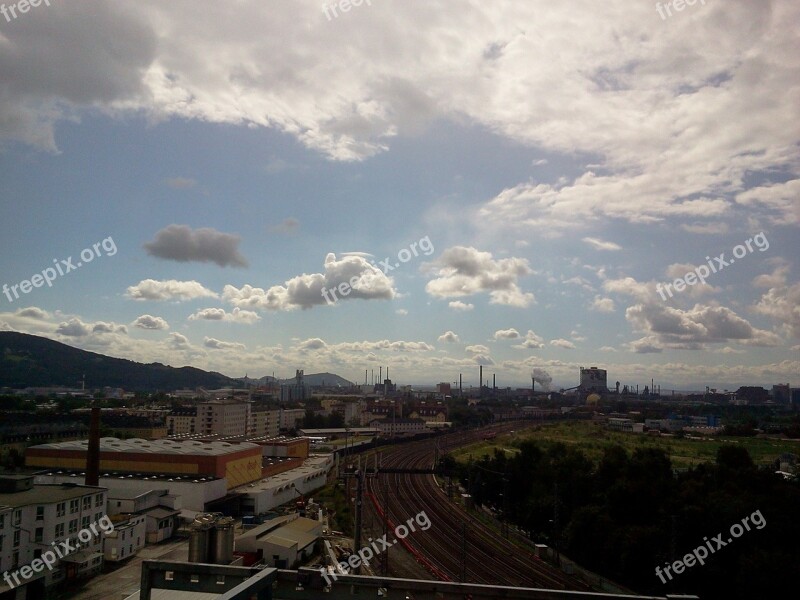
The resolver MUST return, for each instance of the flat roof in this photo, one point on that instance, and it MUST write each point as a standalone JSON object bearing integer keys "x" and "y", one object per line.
{"x": 162, "y": 446}
{"x": 163, "y": 478}
{"x": 48, "y": 493}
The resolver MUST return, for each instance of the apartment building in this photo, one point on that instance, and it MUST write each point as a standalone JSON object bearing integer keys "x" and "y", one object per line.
{"x": 35, "y": 517}
{"x": 265, "y": 421}
{"x": 223, "y": 417}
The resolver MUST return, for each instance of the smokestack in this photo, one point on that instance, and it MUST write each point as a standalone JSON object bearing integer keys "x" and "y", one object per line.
{"x": 480, "y": 387}
{"x": 494, "y": 381}
{"x": 380, "y": 374}
{"x": 93, "y": 450}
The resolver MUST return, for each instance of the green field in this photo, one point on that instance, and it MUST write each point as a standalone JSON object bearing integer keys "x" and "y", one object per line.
{"x": 591, "y": 438}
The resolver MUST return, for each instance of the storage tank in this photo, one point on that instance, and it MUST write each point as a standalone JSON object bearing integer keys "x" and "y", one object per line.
{"x": 222, "y": 541}
{"x": 199, "y": 533}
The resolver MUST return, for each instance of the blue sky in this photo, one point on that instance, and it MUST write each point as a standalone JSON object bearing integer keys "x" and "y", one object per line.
{"x": 559, "y": 164}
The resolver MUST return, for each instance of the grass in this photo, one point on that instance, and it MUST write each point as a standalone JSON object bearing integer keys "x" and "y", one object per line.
{"x": 332, "y": 496}
{"x": 592, "y": 438}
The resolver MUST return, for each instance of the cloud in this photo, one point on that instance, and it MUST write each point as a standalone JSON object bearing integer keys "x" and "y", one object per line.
{"x": 463, "y": 271}
{"x": 401, "y": 311}
{"x": 689, "y": 329}
{"x": 538, "y": 162}
{"x": 215, "y": 344}
{"x": 532, "y": 341}
{"x": 364, "y": 281}
{"x": 449, "y": 337}
{"x": 33, "y": 312}
{"x": 561, "y": 343}
{"x": 645, "y": 345}
{"x": 460, "y": 306}
{"x": 150, "y": 289}
{"x": 783, "y": 305}
{"x": 506, "y": 334}
{"x": 776, "y": 279}
{"x": 480, "y": 359}
{"x": 74, "y": 328}
{"x": 599, "y": 244}
{"x": 150, "y": 322}
{"x": 779, "y": 200}
{"x": 181, "y": 183}
{"x": 101, "y": 327}
{"x": 711, "y": 228}
{"x": 607, "y": 349}
{"x": 183, "y": 244}
{"x": 477, "y": 349}
{"x": 237, "y": 315}
{"x": 603, "y": 305}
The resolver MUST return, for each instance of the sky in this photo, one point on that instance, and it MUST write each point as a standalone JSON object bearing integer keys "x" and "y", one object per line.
{"x": 255, "y": 187}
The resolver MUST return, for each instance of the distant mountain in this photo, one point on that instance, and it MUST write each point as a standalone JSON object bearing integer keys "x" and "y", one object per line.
{"x": 316, "y": 379}
{"x": 33, "y": 361}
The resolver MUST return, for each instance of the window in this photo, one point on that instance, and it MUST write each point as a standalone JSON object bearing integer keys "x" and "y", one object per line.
{"x": 17, "y": 517}
{"x": 40, "y": 513}
{"x": 16, "y": 541}
{"x": 98, "y": 500}
{"x": 37, "y": 553}
{"x": 60, "y": 530}
{"x": 61, "y": 509}
{"x": 73, "y": 525}
{"x": 169, "y": 575}
{"x": 2, "y": 520}
{"x": 39, "y": 534}
{"x": 97, "y": 517}
{"x": 15, "y": 560}
{"x": 87, "y": 502}
{"x": 2, "y": 540}
{"x": 85, "y": 522}
{"x": 73, "y": 506}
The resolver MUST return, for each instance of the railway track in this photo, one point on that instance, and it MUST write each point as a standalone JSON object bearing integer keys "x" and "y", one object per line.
{"x": 457, "y": 546}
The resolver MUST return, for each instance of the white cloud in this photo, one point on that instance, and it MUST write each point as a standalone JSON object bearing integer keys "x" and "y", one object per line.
{"x": 464, "y": 271}
{"x": 477, "y": 349}
{"x": 74, "y": 328}
{"x": 603, "y": 305}
{"x": 607, "y": 349}
{"x": 215, "y": 344}
{"x": 449, "y": 337}
{"x": 532, "y": 341}
{"x": 561, "y": 343}
{"x": 237, "y": 315}
{"x": 599, "y": 244}
{"x": 361, "y": 279}
{"x": 183, "y": 244}
{"x": 460, "y": 306}
{"x": 150, "y": 289}
{"x": 33, "y": 312}
{"x": 150, "y": 322}
{"x": 401, "y": 311}
{"x": 506, "y": 334}
{"x": 783, "y": 305}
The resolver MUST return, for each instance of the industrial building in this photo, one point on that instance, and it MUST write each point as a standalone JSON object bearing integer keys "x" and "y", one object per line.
{"x": 594, "y": 380}
{"x": 237, "y": 463}
{"x": 281, "y": 542}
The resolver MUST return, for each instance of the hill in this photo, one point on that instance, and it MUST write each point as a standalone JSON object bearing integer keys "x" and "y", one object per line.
{"x": 33, "y": 361}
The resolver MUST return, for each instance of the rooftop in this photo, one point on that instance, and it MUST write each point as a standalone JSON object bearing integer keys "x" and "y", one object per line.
{"x": 47, "y": 494}
{"x": 162, "y": 446}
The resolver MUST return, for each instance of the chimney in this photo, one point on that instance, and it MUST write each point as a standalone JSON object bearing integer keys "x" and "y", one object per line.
{"x": 93, "y": 450}
{"x": 480, "y": 386}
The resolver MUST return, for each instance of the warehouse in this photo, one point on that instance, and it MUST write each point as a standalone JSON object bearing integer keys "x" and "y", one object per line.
{"x": 238, "y": 463}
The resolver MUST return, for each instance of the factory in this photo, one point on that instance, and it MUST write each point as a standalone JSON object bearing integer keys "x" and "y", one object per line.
{"x": 237, "y": 463}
